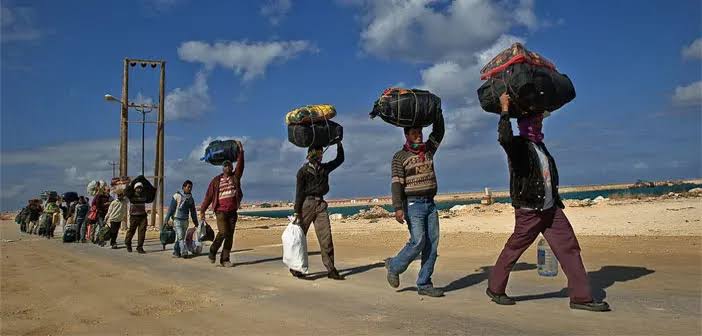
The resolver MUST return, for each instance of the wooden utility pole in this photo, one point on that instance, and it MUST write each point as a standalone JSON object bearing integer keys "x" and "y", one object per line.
{"x": 124, "y": 126}
{"x": 159, "y": 181}
{"x": 158, "y": 178}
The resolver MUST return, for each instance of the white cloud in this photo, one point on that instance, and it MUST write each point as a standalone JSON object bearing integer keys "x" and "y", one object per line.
{"x": 694, "y": 50}
{"x": 191, "y": 102}
{"x": 275, "y": 10}
{"x": 689, "y": 95}
{"x": 524, "y": 14}
{"x": 248, "y": 59}
{"x": 428, "y": 31}
{"x": 640, "y": 165}
{"x": 18, "y": 24}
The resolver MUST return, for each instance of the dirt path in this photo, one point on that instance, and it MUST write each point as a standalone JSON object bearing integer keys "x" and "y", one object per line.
{"x": 50, "y": 288}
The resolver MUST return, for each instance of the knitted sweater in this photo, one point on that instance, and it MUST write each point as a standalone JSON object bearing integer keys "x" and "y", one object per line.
{"x": 413, "y": 177}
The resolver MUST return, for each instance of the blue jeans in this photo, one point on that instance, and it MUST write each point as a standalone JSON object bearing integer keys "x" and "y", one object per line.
{"x": 423, "y": 224}
{"x": 181, "y": 227}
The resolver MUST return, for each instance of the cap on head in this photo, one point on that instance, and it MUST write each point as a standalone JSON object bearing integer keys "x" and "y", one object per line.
{"x": 138, "y": 185}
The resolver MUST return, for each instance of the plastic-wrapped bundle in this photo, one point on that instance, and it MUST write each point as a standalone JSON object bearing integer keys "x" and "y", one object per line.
{"x": 310, "y": 114}
{"x": 407, "y": 107}
{"x": 320, "y": 134}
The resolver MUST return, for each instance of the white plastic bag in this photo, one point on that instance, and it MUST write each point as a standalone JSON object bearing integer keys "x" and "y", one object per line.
{"x": 295, "y": 248}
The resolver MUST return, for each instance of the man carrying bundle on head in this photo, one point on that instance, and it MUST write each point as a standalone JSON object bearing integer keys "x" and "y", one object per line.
{"x": 224, "y": 194}
{"x": 414, "y": 186}
{"x": 310, "y": 207}
{"x": 538, "y": 209}
{"x": 414, "y": 182}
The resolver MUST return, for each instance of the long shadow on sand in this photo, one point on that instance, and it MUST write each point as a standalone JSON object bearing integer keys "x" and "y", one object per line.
{"x": 604, "y": 278}
{"x": 347, "y": 272}
{"x": 475, "y": 278}
{"x": 260, "y": 261}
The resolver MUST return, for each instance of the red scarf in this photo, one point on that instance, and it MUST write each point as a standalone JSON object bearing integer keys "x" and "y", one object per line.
{"x": 421, "y": 150}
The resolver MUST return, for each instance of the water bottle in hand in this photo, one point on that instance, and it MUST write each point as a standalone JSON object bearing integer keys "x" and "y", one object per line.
{"x": 547, "y": 264}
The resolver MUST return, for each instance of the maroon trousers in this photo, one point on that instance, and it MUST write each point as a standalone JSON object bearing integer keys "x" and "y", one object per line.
{"x": 560, "y": 236}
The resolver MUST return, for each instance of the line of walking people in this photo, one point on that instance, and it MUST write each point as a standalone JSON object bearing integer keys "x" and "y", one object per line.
{"x": 533, "y": 190}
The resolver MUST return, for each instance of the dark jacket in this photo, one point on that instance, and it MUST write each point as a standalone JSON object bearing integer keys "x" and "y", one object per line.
{"x": 526, "y": 186}
{"x": 82, "y": 211}
{"x": 314, "y": 180}
{"x": 212, "y": 194}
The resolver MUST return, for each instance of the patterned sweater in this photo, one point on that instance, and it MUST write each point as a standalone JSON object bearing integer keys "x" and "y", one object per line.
{"x": 413, "y": 177}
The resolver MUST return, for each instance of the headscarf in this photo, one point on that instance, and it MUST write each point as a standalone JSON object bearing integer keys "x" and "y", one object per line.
{"x": 530, "y": 127}
{"x": 416, "y": 148}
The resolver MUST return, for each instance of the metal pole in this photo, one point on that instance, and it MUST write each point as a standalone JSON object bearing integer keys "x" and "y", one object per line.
{"x": 124, "y": 126}
{"x": 161, "y": 119}
{"x": 156, "y": 177}
{"x": 143, "y": 124}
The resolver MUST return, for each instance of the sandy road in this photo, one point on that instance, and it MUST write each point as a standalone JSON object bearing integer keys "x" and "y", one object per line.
{"x": 50, "y": 288}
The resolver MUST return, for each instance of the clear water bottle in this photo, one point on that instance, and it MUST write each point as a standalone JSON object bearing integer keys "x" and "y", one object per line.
{"x": 547, "y": 264}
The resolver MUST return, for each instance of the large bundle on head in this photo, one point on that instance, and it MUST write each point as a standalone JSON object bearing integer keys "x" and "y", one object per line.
{"x": 407, "y": 107}
{"x": 96, "y": 187}
{"x": 219, "y": 151}
{"x": 531, "y": 81}
{"x": 49, "y": 195}
{"x": 315, "y": 135}
{"x": 310, "y": 114}
{"x": 309, "y": 126}
{"x": 147, "y": 195}
{"x": 70, "y": 196}
{"x": 119, "y": 184}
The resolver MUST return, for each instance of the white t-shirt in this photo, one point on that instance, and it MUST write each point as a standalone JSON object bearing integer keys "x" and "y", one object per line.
{"x": 546, "y": 171}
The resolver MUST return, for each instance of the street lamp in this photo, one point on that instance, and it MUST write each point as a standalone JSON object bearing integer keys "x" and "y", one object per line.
{"x": 110, "y": 97}
{"x": 141, "y": 108}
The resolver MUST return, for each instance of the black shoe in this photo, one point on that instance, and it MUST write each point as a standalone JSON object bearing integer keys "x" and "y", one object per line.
{"x": 393, "y": 279}
{"x": 500, "y": 299}
{"x": 297, "y": 274}
{"x": 334, "y": 275}
{"x": 141, "y": 250}
{"x": 431, "y": 291}
{"x": 129, "y": 249}
{"x": 114, "y": 247}
{"x": 591, "y": 306}
{"x": 226, "y": 264}
{"x": 212, "y": 258}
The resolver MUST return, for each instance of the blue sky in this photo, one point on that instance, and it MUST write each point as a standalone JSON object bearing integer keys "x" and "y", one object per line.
{"x": 235, "y": 67}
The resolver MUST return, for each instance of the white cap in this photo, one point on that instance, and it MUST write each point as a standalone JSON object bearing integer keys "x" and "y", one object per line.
{"x": 138, "y": 184}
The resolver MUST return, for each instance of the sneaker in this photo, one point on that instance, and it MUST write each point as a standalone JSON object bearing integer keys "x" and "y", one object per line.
{"x": 431, "y": 291}
{"x": 129, "y": 249}
{"x": 591, "y": 306}
{"x": 393, "y": 279}
{"x": 212, "y": 258}
{"x": 226, "y": 264}
{"x": 141, "y": 250}
{"x": 334, "y": 275}
{"x": 114, "y": 247}
{"x": 297, "y": 274}
{"x": 500, "y": 299}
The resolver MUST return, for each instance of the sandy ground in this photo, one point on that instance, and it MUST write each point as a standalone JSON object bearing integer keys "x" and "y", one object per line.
{"x": 644, "y": 258}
